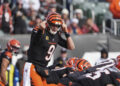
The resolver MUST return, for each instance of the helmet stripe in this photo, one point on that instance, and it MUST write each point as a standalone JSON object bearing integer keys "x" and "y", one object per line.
{"x": 53, "y": 16}
{"x": 79, "y": 63}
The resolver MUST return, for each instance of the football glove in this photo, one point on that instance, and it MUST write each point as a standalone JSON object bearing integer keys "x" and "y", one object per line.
{"x": 61, "y": 71}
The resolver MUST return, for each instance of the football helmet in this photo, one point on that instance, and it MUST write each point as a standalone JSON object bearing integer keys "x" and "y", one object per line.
{"x": 118, "y": 58}
{"x": 82, "y": 64}
{"x": 13, "y": 45}
{"x": 71, "y": 62}
{"x": 54, "y": 20}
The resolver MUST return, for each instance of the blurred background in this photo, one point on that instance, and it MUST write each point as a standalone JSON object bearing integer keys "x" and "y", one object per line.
{"x": 93, "y": 25}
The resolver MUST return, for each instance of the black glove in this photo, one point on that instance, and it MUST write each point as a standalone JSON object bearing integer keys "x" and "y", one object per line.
{"x": 53, "y": 78}
{"x": 44, "y": 72}
{"x": 61, "y": 71}
{"x": 74, "y": 76}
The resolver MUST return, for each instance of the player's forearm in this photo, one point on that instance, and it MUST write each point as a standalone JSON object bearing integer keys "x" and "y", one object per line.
{"x": 70, "y": 43}
{"x": 4, "y": 65}
{"x": 3, "y": 77}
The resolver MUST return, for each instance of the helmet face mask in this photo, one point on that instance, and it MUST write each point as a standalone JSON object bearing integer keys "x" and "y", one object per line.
{"x": 54, "y": 29}
{"x": 15, "y": 49}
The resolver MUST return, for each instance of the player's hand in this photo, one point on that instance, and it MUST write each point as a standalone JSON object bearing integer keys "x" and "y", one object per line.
{"x": 64, "y": 27}
{"x": 63, "y": 71}
{"x": 90, "y": 22}
{"x": 43, "y": 25}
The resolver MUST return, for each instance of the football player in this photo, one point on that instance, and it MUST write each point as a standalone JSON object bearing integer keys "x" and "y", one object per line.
{"x": 13, "y": 46}
{"x": 79, "y": 65}
{"x": 44, "y": 40}
{"x": 100, "y": 75}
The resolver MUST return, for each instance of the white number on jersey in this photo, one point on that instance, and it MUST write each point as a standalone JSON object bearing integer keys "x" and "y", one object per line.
{"x": 97, "y": 74}
{"x": 50, "y": 52}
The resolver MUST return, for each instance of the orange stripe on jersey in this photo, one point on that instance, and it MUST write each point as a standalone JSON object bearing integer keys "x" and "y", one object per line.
{"x": 36, "y": 28}
{"x": 9, "y": 54}
{"x": 51, "y": 43}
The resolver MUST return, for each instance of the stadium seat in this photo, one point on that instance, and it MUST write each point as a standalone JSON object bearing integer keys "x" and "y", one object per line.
{"x": 103, "y": 5}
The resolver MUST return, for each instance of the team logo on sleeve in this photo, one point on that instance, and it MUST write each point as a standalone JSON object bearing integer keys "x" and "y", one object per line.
{"x": 47, "y": 38}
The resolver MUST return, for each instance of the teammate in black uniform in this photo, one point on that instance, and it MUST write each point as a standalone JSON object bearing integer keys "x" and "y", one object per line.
{"x": 44, "y": 40}
{"x": 5, "y": 58}
{"x": 79, "y": 66}
{"x": 100, "y": 75}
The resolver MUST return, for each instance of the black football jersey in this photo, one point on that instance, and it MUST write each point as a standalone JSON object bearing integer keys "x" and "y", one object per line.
{"x": 43, "y": 45}
{"x": 99, "y": 75}
{"x": 99, "y": 78}
{"x": 5, "y": 54}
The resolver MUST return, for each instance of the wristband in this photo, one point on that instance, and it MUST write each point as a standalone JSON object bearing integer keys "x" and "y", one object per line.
{"x": 67, "y": 34}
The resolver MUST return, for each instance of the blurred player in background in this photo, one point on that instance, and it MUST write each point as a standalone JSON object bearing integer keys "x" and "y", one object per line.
{"x": 104, "y": 56}
{"x": 99, "y": 75}
{"x": 13, "y": 47}
{"x": 44, "y": 40}
{"x": 79, "y": 65}
{"x": 61, "y": 60}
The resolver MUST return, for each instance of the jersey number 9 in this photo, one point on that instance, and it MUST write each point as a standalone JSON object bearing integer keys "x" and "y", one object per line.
{"x": 50, "y": 52}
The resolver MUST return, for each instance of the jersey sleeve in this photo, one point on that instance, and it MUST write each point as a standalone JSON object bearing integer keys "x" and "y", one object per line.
{"x": 7, "y": 55}
{"x": 37, "y": 30}
{"x": 62, "y": 42}
{"x": 36, "y": 33}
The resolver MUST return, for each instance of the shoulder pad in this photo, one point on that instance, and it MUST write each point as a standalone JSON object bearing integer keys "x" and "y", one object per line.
{"x": 8, "y": 54}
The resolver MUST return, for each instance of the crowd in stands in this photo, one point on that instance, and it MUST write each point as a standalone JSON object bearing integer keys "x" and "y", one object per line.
{"x": 115, "y": 8}
{"x": 20, "y": 16}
